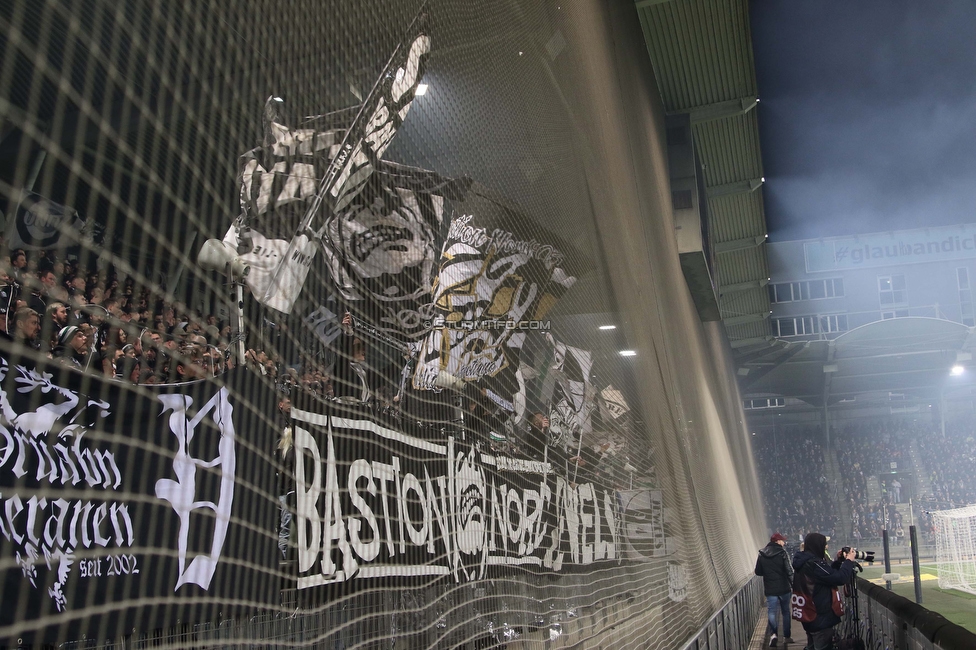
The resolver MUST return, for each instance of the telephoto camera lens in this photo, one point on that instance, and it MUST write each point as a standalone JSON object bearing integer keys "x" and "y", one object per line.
{"x": 859, "y": 555}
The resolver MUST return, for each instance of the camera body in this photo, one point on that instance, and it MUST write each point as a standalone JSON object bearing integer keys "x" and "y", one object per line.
{"x": 863, "y": 556}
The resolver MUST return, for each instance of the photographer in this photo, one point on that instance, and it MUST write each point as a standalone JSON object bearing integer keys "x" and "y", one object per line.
{"x": 816, "y": 579}
{"x": 773, "y": 564}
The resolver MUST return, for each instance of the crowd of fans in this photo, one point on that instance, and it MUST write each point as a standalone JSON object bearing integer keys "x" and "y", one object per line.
{"x": 880, "y": 445}
{"x": 868, "y": 521}
{"x": 103, "y": 322}
{"x": 797, "y": 491}
{"x": 794, "y": 482}
{"x": 951, "y": 463}
{"x": 100, "y": 321}
{"x": 795, "y": 485}
{"x": 869, "y": 448}
{"x": 883, "y": 446}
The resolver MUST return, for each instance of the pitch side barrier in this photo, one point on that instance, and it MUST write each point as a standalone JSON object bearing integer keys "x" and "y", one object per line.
{"x": 888, "y": 620}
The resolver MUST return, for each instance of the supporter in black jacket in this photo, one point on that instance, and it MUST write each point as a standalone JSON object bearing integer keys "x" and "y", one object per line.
{"x": 816, "y": 577}
{"x": 773, "y": 564}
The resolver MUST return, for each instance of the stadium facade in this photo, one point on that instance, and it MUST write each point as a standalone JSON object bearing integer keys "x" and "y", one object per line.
{"x": 821, "y": 288}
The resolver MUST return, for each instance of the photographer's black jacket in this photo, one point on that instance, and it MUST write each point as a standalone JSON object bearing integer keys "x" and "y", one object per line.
{"x": 820, "y": 577}
{"x": 774, "y": 566}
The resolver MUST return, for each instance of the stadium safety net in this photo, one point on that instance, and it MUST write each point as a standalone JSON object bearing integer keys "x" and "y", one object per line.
{"x": 352, "y": 324}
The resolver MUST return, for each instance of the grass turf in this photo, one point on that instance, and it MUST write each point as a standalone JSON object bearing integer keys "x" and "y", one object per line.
{"x": 957, "y": 606}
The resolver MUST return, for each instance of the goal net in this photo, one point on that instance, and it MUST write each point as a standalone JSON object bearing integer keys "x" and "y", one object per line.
{"x": 955, "y": 548}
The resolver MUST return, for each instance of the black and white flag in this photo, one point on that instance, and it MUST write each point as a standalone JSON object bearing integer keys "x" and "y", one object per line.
{"x": 130, "y": 506}
{"x": 350, "y": 166}
{"x": 573, "y": 399}
{"x": 277, "y": 181}
{"x": 612, "y": 404}
{"x": 499, "y": 276}
{"x": 41, "y": 224}
{"x": 383, "y": 248}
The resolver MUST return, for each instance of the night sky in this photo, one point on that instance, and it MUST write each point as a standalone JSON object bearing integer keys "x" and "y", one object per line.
{"x": 867, "y": 114}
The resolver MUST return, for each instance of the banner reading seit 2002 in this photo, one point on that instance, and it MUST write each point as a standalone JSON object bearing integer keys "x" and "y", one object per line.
{"x": 127, "y": 509}
{"x": 122, "y": 508}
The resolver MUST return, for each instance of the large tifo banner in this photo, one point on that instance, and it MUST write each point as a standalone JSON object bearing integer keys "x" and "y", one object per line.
{"x": 128, "y": 509}
{"x": 372, "y": 502}
{"x": 131, "y": 509}
{"x": 887, "y": 249}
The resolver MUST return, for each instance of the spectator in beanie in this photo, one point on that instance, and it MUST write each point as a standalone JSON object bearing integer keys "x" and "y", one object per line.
{"x": 72, "y": 346}
{"x": 816, "y": 578}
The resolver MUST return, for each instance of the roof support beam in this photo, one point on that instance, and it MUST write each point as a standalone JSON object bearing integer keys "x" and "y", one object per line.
{"x": 788, "y": 353}
{"x": 772, "y": 344}
{"x": 644, "y": 4}
{"x": 769, "y": 341}
{"x": 888, "y": 374}
{"x": 748, "y": 318}
{"x": 739, "y": 244}
{"x": 865, "y": 358}
{"x": 970, "y": 342}
{"x": 830, "y": 368}
{"x": 727, "y": 289}
{"x": 718, "y": 110}
{"x": 739, "y": 187}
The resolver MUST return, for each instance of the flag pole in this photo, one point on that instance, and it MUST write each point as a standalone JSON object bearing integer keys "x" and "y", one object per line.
{"x": 545, "y": 437}
{"x": 579, "y": 450}
{"x": 361, "y": 326}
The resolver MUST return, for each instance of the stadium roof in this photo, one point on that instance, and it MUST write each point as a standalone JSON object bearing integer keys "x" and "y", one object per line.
{"x": 903, "y": 355}
{"x": 701, "y": 51}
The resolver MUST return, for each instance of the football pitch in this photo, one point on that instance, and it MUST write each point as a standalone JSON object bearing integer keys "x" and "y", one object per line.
{"x": 957, "y": 606}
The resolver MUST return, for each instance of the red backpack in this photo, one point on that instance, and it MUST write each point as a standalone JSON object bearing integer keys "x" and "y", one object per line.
{"x": 802, "y": 607}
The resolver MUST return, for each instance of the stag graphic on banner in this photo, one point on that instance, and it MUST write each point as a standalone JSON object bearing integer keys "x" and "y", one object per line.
{"x": 180, "y": 493}
{"x": 53, "y": 528}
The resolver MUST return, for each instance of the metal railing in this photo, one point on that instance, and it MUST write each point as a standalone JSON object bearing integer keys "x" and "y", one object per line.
{"x": 732, "y": 626}
{"x": 886, "y": 620}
